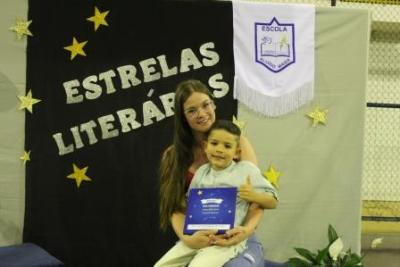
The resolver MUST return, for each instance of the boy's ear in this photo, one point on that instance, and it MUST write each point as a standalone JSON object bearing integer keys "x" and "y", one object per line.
{"x": 238, "y": 152}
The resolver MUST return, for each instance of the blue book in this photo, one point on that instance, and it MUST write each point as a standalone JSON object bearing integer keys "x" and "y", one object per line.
{"x": 210, "y": 209}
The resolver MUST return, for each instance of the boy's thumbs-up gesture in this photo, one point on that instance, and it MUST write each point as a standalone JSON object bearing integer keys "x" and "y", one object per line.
{"x": 246, "y": 191}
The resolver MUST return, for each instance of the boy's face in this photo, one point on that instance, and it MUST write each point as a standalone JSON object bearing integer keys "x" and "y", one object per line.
{"x": 221, "y": 148}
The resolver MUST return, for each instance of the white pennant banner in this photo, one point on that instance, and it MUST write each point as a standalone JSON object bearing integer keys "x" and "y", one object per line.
{"x": 274, "y": 55}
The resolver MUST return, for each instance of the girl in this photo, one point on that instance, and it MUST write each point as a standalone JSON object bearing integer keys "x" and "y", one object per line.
{"x": 194, "y": 115}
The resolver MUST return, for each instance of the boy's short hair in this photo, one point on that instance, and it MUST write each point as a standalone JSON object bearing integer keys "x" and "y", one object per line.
{"x": 226, "y": 125}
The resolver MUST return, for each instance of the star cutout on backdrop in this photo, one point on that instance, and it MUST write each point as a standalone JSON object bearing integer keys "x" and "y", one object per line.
{"x": 76, "y": 48}
{"x": 79, "y": 175}
{"x": 318, "y": 116}
{"x": 26, "y": 157}
{"x": 238, "y": 123}
{"x": 21, "y": 28}
{"x": 99, "y": 18}
{"x": 272, "y": 176}
{"x": 28, "y": 102}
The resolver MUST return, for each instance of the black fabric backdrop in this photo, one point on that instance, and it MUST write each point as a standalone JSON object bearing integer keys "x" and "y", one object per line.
{"x": 113, "y": 219}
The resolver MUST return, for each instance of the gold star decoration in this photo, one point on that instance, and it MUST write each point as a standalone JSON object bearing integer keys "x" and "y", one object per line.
{"x": 21, "y": 28}
{"x": 26, "y": 157}
{"x": 318, "y": 116}
{"x": 28, "y": 102}
{"x": 76, "y": 48}
{"x": 99, "y": 18}
{"x": 238, "y": 123}
{"x": 272, "y": 176}
{"x": 79, "y": 175}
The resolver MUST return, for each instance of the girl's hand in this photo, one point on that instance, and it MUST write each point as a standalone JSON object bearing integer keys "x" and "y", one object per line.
{"x": 199, "y": 239}
{"x": 231, "y": 237}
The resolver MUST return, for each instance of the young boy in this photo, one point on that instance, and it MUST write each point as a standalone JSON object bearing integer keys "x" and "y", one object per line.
{"x": 222, "y": 147}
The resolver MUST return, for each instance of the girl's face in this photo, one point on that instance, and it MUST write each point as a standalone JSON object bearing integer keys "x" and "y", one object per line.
{"x": 199, "y": 111}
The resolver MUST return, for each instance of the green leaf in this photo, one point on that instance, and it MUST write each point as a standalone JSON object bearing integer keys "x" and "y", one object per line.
{"x": 322, "y": 254}
{"x": 297, "y": 262}
{"x": 352, "y": 263}
{"x": 332, "y": 235}
{"x": 328, "y": 261}
{"x": 345, "y": 259}
{"x": 355, "y": 257}
{"x": 307, "y": 254}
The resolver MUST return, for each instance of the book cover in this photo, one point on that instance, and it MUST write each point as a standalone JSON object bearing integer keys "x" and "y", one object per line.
{"x": 210, "y": 208}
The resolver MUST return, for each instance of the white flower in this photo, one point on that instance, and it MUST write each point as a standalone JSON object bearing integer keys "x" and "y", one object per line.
{"x": 335, "y": 248}
{"x": 376, "y": 242}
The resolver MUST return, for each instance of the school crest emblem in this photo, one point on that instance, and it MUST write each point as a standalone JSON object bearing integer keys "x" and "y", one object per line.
{"x": 275, "y": 44}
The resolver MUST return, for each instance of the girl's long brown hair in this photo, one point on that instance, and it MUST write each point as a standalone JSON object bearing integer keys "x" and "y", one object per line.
{"x": 177, "y": 158}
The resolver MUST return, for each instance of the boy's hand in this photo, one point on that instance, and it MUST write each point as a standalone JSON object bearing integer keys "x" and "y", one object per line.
{"x": 231, "y": 237}
{"x": 247, "y": 192}
{"x": 200, "y": 239}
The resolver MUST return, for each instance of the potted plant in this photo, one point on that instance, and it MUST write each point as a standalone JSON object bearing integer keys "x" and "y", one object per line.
{"x": 330, "y": 256}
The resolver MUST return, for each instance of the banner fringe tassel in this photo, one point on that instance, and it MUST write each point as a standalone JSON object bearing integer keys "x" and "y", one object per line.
{"x": 271, "y": 106}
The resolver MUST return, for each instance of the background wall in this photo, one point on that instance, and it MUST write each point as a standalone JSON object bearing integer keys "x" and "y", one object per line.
{"x": 380, "y": 186}
{"x": 12, "y": 84}
{"x": 379, "y": 158}
{"x": 321, "y": 167}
